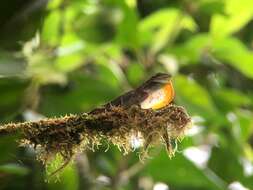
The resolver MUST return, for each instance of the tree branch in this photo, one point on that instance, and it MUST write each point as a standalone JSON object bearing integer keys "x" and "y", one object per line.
{"x": 117, "y": 125}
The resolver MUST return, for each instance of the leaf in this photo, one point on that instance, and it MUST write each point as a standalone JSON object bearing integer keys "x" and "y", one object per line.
{"x": 211, "y": 7}
{"x": 192, "y": 50}
{"x": 12, "y": 93}
{"x": 161, "y": 27}
{"x": 107, "y": 64}
{"x": 245, "y": 121}
{"x": 54, "y": 4}
{"x": 195, "y": 98}
{"x": 226, "y": 165}
{"x": 178, "y": 172}
{"x": 70, "y": 53}
{"x": 230, "y": 99}
{"x": 14, "y": 169}
{"x": 127, "y": 35}
{"x": 51, "y": 28}
{"x": 96, "y": 26}
{"x": 238, "y": 14}
{"x": 82, "y": 94}
{"x": 232, "y": 51}
{"x": 8, "y": 147}
{"x": 67, "y": 178}
{"x": 228, "y": 50}
{"x": 135, "y": 73}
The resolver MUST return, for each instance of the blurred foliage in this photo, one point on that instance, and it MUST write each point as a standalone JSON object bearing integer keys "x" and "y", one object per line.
{"x": 60, "y": 56}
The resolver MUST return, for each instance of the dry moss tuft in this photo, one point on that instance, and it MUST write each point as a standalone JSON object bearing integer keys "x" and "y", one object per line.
{"x": 119, "y": 126}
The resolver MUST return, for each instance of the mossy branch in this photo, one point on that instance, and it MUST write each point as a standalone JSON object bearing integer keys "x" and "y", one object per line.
{"x": 117, "y": 125}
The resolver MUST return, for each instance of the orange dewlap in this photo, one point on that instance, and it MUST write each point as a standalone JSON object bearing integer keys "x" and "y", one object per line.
{"x": 159, "y": 98}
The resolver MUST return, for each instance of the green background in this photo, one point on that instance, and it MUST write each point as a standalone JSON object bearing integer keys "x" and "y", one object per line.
{"x": 70, "y": 56}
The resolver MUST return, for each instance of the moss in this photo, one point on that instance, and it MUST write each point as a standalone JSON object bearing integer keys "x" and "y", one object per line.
{"x": 73, "y": 133}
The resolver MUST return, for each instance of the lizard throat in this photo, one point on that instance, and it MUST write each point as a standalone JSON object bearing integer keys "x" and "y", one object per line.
{"x": 159, "y": 98}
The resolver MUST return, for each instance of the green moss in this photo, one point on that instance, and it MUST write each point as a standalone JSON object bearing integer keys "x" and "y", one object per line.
{"x": 71, "y": 134}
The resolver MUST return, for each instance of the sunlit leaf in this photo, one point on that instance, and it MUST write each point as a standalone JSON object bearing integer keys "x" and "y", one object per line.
{"x": 66, "y": 179}
{"x": 70, "y": 53}
{"x": 54, "y": 4}
{"x": 232, "y": 51}
{"x": 127, "y": 35}
{"x": 162, "y": 27}
{"x": 228, "y": 50}
{"x": 238, "y": 14}
{"x": 51, "y": 28}
{"x": 135, "y": 73}
{"x": 194, "y": 97}
{"x": 245, "y": 122}
{"x": 192, "y": 50}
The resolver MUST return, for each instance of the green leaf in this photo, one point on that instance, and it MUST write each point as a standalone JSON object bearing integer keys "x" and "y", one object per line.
{"x": 96, "y": 26}
{"x": 14, "y": 169}
{"x": 67, "y": 179}
{"x": 194, "y": 97}
{"x": 54, "y": 4}
{"x": 211, "y": 7}
{"x": 106, "y": 64}
{"x": 135, "y": 73}
{"x": 127, "y": 35}
{"x": 242, "y": 126}
{"x": 51, "y": 28}
{"x": 162, "y": 27}
{"x": 84, "y": 92}
{"x": 8, "y": 147}
{"x": 191, "y": 50}
{"x": 12, "y": 93}
{"x": 229, "y": 99}
{"x": 70, "y": 53}
{"x": 232, "y": 51}
{"x": 179, "y": 172}
{"x": 226, "y": 164}
{"x": 238, "y": 14}
{"x": 229, "y": 50}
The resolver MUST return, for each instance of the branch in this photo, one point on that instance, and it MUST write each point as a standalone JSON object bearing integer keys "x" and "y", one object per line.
{"x": 117, "y": 125}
